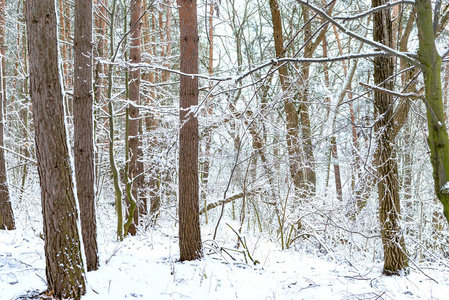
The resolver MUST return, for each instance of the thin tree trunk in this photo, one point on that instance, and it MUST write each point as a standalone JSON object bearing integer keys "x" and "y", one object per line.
{"x": 208, "y": 139}
{"x": 151, "y": 121}
{"x": 135, "y": 174}
{"x": 309, "y": 180}
{"x": 333, "y": 139}
{"x": 83, "y": 129}
{"x": 395, "y": 259}
{"x": 6, "y": 212}
{"x": 189, "y": 223}
{"x": 292, "y": 124}
{"x": 114, "y": 169}
{"x": 64, "y": 265}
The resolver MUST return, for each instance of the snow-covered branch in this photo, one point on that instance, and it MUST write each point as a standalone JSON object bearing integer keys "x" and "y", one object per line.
{"x": 396, "y": 94}
{"x": 373, "y": 10}
{"x": 406, "y": 56}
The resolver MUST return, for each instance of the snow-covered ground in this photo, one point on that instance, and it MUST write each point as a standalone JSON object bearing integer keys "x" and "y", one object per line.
{"x": 146, "y": 267}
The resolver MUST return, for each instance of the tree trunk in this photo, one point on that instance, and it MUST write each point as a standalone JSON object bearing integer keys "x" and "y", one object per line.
{"x": 395, "y": 259}
{"x": 114, "y": 169}
{"x": 83, "y": 128}
{"x": 189, "y": 223}
{"x": 438, "y": 137}
{"x": 151, "y": 122}
{"x": 292, "y": 124}
{"x": 64, "y": 265}
{"x": 6, "y": 213}
{"x": 308, "y": 182}
{"x": 135, "y": 166}
{"x": 208, "y": 110}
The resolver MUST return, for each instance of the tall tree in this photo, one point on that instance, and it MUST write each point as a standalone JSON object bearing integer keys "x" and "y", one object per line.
{"x": 292, "y": 119}
{"x": 135, "y": 173}
{"x": 64, "y": 264}
{"x": 83, "y": 127}
{"x": 189, "y": 222}
{"x": 438, "y": 139}
{"x": 6, "y": 213}
{"x": 395, "y": 259}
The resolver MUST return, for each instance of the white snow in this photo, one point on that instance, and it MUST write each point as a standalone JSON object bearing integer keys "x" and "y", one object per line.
{"x": 146, "y": 267}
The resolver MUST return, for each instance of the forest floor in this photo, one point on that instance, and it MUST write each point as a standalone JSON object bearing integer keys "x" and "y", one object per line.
{"x": 146, "y": 267}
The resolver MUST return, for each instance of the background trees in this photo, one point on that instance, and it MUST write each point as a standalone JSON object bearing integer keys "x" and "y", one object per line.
{"x": 6, "y": 213}
{"x": 278, "y": 92}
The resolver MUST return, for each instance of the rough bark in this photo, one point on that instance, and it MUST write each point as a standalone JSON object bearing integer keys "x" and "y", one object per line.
{"x": 64, "y": 265}
{"x": 395, "y": 259}
{"x": 189, "y": 223}
{"x": 6, "y": 212}
{"x": 83, "y": 129}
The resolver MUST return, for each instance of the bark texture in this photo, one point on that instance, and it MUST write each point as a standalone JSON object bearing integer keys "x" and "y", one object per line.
{"x": 64, "y": 265}
{"x": 189, "y": 223}
{"x": 135, "y": 166}
{"x": 6, "y": 213}
{"x": 83, "y": 128}
{"x": 388, "y": 187}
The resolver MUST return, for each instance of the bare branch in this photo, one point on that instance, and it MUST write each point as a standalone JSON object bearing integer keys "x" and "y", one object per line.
{"x": 240, "y": 77}
{"x": 376, "y": 45}
{"x": 396, "y": 94}
{"x": 373, "y": 10}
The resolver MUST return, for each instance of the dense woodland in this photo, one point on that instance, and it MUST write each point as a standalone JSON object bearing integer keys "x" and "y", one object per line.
{"x": 322, "y": 125}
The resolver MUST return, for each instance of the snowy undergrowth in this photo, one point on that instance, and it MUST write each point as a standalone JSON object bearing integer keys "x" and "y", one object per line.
{"x": 146, "y": 267}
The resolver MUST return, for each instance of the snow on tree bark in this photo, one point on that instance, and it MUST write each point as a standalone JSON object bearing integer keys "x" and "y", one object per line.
{"x": 64, "y": 265}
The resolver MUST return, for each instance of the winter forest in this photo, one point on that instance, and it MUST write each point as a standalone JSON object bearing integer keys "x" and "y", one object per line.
{"x": 224, "y": 149}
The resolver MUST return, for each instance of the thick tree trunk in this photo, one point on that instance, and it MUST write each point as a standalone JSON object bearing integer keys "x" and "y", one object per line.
{"x": 64, "y": 265}
{"x": 438, "y": 137}
{"x": 395, "y": 259}
{"x": 189, "y": 223}
{"x": 6, "y": 213}
{"x": 83, "y": 128}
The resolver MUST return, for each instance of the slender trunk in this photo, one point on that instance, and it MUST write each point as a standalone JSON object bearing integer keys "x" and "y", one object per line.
{"x": 114, "y": 169}
{"x": 151, "y": 122}
{"x": 64, "y": 265}
{"x": 208, "y": 139}
{"x": 135, "y": 173}
{"x": 309, "y": 180}
{"x": 189, "y": 223}
{"x": 292, "y": 124}
{"x": 83, "y": 129}
{"x": 333, "y": 139}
